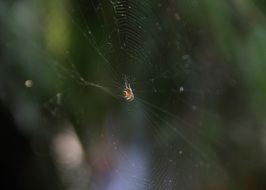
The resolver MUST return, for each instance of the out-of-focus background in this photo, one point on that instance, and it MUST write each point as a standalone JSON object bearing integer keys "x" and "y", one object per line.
{"x": 197, "y": 70}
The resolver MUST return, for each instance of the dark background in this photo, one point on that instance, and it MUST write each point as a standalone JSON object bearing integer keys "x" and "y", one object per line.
{"x": 197, "y": 69}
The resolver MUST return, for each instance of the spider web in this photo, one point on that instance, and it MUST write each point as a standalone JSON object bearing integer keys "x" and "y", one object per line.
{"x": 168, "y": 149}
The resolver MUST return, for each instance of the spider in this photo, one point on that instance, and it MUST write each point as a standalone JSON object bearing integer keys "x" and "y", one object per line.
{"x": 128, "y": 92}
